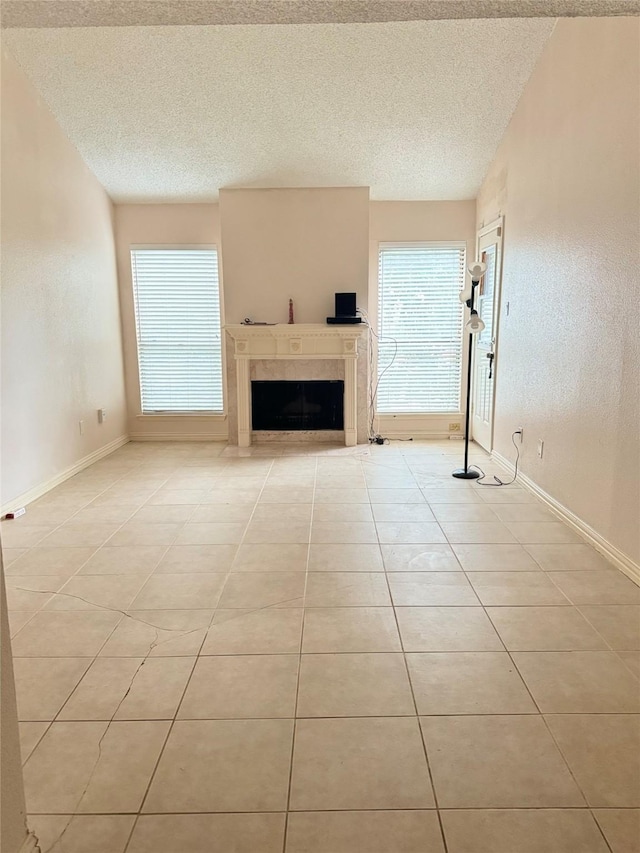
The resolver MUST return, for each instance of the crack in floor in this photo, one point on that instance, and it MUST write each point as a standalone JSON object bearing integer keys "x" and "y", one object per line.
{"x": 59, "y": 839}
{"x": 247, "y": 611}
{"x": 58, "y": 844}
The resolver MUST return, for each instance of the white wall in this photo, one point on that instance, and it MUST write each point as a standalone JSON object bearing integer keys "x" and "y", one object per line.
{"x": 61, "y": 343}
{"x": 303, "y": 244}
{"x": 567, "y": 178}
{"x": 429, "y": 222}
{"x": 162, "y": 225}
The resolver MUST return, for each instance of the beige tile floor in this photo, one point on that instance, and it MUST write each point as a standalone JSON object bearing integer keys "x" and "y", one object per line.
{"x": 319, "y": 650}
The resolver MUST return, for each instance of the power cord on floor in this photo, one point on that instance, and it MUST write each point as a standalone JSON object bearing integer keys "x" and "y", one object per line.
{"x": 498, "y": 481}
{"x": 374, "y": 437}
{"x": 378, "y": 439}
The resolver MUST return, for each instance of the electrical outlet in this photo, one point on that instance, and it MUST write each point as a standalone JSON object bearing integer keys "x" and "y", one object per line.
{"x": 454, "y": 427}
{"x": 81, "y": 427}
{"x": 102, "y": 415}
{"x": 540, "y": 447}
{"x": 521, "y": 435}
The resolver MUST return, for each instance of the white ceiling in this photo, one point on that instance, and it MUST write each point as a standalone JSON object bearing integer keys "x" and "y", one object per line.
{"x": 414, "y": 110}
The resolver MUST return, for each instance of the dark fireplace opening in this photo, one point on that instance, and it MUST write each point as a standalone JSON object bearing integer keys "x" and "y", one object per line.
{"x": 284, "y": 405}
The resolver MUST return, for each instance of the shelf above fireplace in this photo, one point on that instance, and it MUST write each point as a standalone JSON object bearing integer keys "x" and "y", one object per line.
{"x": 302, "y": 340}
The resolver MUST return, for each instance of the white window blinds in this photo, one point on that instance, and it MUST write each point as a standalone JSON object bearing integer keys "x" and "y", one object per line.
{"x": 420, "y": 323}
{"x": 177, "y": 303}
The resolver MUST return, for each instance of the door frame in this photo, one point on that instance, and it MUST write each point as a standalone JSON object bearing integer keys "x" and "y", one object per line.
{"x": 496, "y": 225}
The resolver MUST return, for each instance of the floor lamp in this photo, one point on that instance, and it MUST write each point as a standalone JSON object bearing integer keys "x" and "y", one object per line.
{"x": 474, "y": 326}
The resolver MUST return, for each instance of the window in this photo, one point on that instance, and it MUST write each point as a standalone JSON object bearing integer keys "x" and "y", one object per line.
{"x": 177, "y": 303}
{"x": 420, "y": 327}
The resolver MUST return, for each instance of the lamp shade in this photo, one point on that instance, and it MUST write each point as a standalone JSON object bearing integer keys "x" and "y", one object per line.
{"x": 465, "y": 295}
{"x": 474, "y": 324}
{"x": 476, "y": 270}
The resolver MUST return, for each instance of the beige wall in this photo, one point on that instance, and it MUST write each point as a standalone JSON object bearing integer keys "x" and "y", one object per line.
{"x": 163, "y": 225}
{"x": 303, "y": 244}
{"x": 61, "y": 344}
{"x": 327, "y": 233}
{"x": 418, "y": 221}
{"x": 566, "y": 176}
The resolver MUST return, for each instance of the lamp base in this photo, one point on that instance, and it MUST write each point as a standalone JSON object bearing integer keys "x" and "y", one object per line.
{"x": 465, "y": 474}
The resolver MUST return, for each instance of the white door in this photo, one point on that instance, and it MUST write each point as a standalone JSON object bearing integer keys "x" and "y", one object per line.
{"x": 485, "y": 345}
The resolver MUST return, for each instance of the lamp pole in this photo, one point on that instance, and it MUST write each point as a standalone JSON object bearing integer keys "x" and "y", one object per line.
{"x": 474, "y": 325}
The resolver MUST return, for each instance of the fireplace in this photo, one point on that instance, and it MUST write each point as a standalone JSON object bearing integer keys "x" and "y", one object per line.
{"x": 297, "y": 353}
{"x": 297, "y": 405}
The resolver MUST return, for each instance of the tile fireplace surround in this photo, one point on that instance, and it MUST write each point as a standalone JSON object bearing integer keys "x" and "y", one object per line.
{"x": 297, "y": 351}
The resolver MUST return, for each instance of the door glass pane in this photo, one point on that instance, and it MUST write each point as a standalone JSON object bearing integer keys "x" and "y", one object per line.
{"x": 487, "y": 290}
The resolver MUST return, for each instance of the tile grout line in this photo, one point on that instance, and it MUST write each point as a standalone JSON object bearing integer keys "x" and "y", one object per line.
{"x": 199, "y": 654}
{"x": 97, "y": 548}
{"x": 406, "y": 716}
{"x": 547, "y": 727}
{"x": 97, "y": 761}
{"x": 542, "y": 716}
{"x": 171, "y": 723}
{"x": 601, "y": 831}
{"x": 577, "y": 809}
{"x": 108, "y": 723}
{"x": 295, "y": 710}
{"x": 415, "y": 705}
{"x": 94, "y": 658}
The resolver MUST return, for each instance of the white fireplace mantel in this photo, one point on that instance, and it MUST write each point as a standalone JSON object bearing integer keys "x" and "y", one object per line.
{"x": 296, "y": 341}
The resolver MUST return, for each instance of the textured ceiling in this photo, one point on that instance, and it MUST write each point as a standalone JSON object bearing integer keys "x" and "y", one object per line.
{"x": 123, "y": 13}
{"x": 413, "y": 110}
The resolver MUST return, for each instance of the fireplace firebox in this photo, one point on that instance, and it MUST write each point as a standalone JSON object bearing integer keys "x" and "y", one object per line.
{"x": 297, "y": 405}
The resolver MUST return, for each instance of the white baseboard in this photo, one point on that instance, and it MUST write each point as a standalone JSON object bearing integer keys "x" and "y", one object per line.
{"x": 423, "y": 426}
{"x": 418, "y": 435}
{"x": 177, "y": 436}
{"x": 30, "y": 844}
{"x": 43, "y": 488}
{"x": 613, "y": 554}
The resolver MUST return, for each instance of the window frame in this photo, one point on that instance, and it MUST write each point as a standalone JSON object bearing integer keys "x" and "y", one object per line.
{"x": 168, "y": 413}
{"x": 460, "y": 245}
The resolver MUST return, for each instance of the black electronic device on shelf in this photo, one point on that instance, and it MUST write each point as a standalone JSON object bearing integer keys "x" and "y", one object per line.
{"x": 345, "y": 311}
